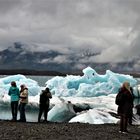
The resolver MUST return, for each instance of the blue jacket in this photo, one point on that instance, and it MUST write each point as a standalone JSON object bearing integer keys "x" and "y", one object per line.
{"x": 14, "y": 93}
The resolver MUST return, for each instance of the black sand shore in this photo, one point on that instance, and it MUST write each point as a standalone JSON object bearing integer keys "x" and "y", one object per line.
{"x": 64, "y": 131}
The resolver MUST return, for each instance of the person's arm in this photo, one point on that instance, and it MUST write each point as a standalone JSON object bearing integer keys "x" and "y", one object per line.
{"x": 24, "y": 94}
{"x": 49, "y": 95}
{"x": 40, "y": 99}
{"x": 9, "y": 92}
{"x": 18, "y": 92}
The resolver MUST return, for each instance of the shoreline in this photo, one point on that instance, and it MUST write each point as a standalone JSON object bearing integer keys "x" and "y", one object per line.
{"x": 56, "y": 73}
{"x": 65, "y": 131}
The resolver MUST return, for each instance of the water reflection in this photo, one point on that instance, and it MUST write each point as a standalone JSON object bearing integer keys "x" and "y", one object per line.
{"x": 31, "y": 116}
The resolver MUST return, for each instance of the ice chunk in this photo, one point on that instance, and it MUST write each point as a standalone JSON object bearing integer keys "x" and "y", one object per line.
{"x": 61, "y": 112}
{"x": 32, "y": 85}
{"x": 91, "y": 84}
{"x": 95, "y": 116}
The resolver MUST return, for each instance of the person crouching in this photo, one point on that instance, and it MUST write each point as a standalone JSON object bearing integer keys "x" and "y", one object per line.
{"x": 22, "y": 102}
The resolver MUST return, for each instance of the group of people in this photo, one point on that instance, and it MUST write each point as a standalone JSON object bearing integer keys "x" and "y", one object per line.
{"x": 19, "y": 100}
{"x": 124, "y": 100}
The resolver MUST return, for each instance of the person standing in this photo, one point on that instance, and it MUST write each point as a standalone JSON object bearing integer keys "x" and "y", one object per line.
{"x": 14, "y": 93}
{"x": 131, "y": 116}
{"x": 22, "y": 102}
{"x": 126, "y": 106}
{"x": 44, "y": 104}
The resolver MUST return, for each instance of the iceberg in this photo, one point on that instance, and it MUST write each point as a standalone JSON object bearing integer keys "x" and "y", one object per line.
{"x": 5, "y": 84}
{"x": 91, "y": 84}
{"x": 89, "y": 98}
{"x": 61, "y": 112}
{"x": 95, "y": 116}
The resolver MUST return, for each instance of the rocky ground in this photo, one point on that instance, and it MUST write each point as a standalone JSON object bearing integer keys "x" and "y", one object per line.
{"x": 64, "y": 131}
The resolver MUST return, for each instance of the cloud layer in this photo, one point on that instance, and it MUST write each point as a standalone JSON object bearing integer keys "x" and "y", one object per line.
{"x": 110, "y": 27}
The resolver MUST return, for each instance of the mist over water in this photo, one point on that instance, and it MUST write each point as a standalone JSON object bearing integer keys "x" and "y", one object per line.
{"x": 31, "y": 116}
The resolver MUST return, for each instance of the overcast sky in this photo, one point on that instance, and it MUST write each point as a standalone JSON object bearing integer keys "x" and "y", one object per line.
{"x": 111, "y": 27}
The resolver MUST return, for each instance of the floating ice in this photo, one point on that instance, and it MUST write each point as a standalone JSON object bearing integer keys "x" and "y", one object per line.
{"x": 61, "y": 112}
{"x": 90, "y": 84}
{"x": 95, "y": 116}
{"x": 32, "y": 85}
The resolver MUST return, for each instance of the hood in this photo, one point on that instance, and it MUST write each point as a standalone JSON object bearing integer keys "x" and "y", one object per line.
{"x": 13, "y": 88}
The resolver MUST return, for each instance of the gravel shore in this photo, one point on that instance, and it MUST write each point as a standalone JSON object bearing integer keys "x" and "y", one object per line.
{"x": 64, "y": 131}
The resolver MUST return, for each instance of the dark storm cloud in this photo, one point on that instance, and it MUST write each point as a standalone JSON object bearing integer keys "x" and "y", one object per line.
{"x": 102, "y": 26}
{"x": 8, "y": 5}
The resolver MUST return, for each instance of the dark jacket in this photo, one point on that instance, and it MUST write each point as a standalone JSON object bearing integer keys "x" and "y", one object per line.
{"x": 126, "y": 107}
{"x": 45, "y": 97}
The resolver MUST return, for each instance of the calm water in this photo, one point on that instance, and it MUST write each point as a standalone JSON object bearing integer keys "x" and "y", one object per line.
{"x": 40, "y": 79}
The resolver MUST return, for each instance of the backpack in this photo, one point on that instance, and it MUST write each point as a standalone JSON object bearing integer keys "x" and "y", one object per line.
{"x": 119, "y": 99}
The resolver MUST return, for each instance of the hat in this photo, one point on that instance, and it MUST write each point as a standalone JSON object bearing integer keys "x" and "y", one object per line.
{"x": 22, "y": 86}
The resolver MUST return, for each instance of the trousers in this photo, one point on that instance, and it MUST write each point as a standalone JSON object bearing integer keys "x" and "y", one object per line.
{"x": 14, "y": 109}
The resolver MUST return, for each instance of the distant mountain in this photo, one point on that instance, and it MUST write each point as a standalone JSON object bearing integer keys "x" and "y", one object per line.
{"x": 18, "y": 56}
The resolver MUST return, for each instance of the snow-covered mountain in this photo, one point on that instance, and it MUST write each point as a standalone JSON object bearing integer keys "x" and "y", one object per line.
{"x": 20, "y": 56}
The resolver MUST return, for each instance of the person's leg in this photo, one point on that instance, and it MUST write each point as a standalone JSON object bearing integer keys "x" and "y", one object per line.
{"x": 15, "y": 109}
{"x": 40, "y": 112}
{"x": 46, "y": 113}
{"x": 22, "y": 112}
{"x": 125, "y": 123}
{"x": 130, "y": 118}
{"x": 12, "y": 110}
{"x": 121, "y": 123}
{"x": 24, "y": 115}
